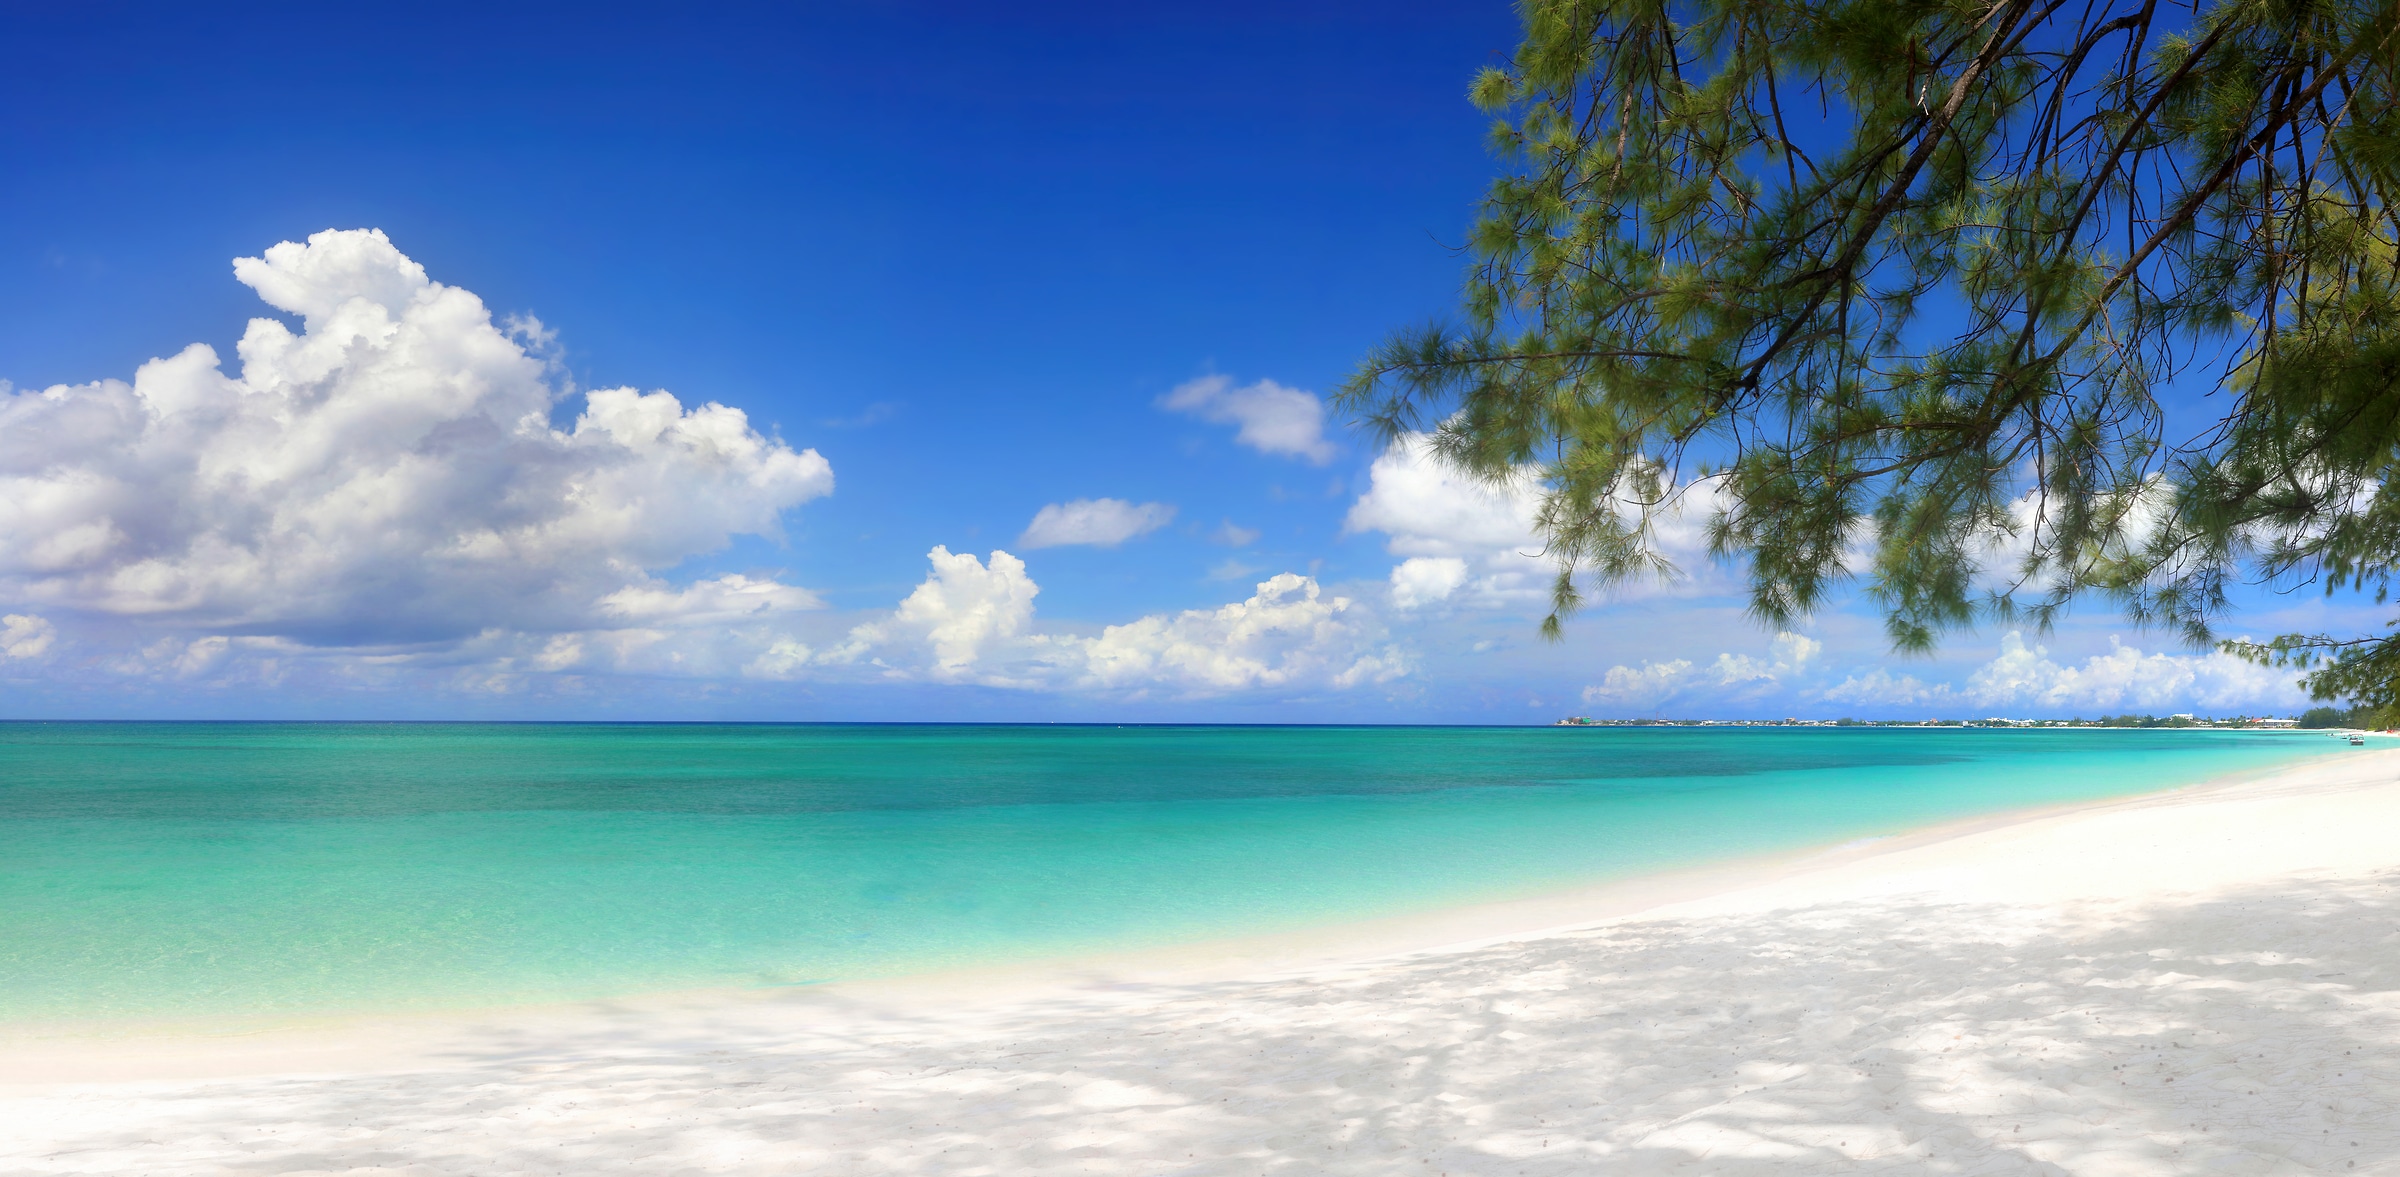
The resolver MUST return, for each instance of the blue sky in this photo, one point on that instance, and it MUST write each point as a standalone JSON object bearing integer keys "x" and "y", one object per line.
{"x": 959, "y": 269}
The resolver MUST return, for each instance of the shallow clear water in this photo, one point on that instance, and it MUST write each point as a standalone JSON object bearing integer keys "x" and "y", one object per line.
{"x": 180, "y": 869}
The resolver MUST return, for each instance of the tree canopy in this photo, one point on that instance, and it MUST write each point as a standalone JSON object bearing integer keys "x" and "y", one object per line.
{"x": 1990, "y": 305}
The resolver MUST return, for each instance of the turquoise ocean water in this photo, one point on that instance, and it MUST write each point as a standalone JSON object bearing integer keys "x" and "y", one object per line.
{"x": 172, "y": 870}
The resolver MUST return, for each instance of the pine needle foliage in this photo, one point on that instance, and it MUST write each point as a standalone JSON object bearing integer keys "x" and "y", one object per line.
{"x": 1895, "y": 287}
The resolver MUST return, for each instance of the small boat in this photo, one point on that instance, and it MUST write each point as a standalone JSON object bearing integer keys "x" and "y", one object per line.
{"x": 2355, "y": 741}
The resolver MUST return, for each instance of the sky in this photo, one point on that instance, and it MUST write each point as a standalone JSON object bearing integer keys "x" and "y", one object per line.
{"x": 876, "y": 361}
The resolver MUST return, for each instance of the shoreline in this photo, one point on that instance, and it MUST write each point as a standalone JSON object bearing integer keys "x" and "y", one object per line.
{"x": 219, "y": 1046}
{"x": 2195, "y": 979}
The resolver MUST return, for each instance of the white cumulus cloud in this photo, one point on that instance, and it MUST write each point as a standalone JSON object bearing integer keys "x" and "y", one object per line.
{"x": 1287, "y": 634}
{"x": 973, "y": 622}
{"x": 1444, "y": 522}
{"x": 1425, "y": 508}
{"x": 1790, "y": 658}
{"x": 388, "y": 475}
{"x": 1879, "y": 685}
{"x": 785, "y": 658}
{"x": 1423, "y": 580}
{"x": 1731, "y": 678}
{"x": 1647, "y": 685}
{"x": 954, "y": 623}
{"x": 1429, "y": 509}
{"x": 1274, "y": 419}
{"x": 1101, "y": 523}
{"x": 24, "y": 636}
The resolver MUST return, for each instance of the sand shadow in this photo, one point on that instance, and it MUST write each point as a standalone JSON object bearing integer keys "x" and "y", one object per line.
{"x": 2254, "y": 1031}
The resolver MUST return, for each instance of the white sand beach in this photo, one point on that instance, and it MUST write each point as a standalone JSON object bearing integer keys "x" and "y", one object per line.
{"x": 2199, "y": 981}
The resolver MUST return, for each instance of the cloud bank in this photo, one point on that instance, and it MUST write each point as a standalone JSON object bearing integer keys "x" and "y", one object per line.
{"x": 2021, "y": 680}
{"x": 384, "y": 487}
{"x": 1732, "y": 678}
{"x": 401, "y": 485}
{"x": 388, "y": 475}
{"x": 2024, "y": 679}
{"x": 972, "y": 622}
